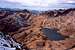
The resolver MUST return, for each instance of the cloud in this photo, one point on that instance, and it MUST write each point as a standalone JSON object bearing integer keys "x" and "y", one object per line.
{"x": 68, "y": 1}
{"x": 37, "y": 4}
{"x": 6, "y": 4}
{"x": 40, "y": 3}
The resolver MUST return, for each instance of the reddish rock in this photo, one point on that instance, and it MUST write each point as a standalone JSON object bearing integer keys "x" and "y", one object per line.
{"x": 27, "y": 29}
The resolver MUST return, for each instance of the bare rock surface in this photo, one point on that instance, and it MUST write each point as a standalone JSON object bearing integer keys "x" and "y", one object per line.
{"x": 7, "y": 43}
{"x": 26, "y": 28}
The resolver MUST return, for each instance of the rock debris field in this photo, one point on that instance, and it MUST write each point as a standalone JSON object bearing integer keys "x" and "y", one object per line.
{"x": 44, "y": 30}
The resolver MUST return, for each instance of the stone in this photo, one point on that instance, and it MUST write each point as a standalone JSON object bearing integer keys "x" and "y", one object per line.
{"x": 25, "y": 28}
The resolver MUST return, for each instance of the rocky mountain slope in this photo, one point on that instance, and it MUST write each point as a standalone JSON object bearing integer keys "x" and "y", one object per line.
{"x": 49, "y": 30}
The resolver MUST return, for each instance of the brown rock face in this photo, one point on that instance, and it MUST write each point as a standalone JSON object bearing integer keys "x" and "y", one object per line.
{"x": 25, "y": 28}
{"x": 60, "y": 12}
{"x": 14, "y": 21}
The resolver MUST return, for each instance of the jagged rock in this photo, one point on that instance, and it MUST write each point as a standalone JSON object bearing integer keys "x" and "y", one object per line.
{"x": 25, "y": 28}
{"x": 7, "y": 43}
{"x": 13, "y": 23}
{"x": 59, "y": 12}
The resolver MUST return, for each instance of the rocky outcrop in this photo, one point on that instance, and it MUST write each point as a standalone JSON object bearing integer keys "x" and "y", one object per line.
{"x": 60, "y": 12}
{"x": 7, "y": 43}
{"x": 14, "y": 21}
{"x": 27, "y": 28}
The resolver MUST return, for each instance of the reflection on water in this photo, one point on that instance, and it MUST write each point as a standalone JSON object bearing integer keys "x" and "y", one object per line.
{"x": 52, "y": 34}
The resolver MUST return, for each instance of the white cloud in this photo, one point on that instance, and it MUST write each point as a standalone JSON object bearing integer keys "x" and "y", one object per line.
{"x": 40, "y": 3}
{"x": 69, "y": 1}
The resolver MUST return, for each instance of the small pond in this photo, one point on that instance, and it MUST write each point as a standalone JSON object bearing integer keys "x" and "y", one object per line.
{"x": 52, "y": 34}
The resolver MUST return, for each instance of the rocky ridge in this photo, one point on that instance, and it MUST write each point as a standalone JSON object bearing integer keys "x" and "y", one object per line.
{"x": 25, "y": 28}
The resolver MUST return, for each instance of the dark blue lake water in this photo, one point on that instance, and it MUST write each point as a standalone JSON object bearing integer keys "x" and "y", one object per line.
{"x": 52, "y": 34}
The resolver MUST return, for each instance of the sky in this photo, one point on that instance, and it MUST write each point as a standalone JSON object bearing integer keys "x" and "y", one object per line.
{"x": 37, "y": 4}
